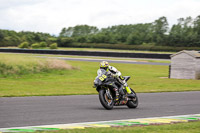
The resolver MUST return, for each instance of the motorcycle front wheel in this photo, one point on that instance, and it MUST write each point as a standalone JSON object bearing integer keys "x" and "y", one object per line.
{"x": 106, "y": 100}
{"x": 133, "y": 103}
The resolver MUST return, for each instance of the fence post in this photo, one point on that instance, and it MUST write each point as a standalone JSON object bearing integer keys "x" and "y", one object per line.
{"x": 169, "y": 75}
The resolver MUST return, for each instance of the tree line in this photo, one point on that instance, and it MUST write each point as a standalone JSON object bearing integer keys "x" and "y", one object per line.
{"x": 186, "y": 33}
{"x": 13, "y": 38}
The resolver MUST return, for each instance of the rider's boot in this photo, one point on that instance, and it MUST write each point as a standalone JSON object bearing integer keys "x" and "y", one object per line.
{"x": 122, "y": 81}
{"x": 130, "y": 93}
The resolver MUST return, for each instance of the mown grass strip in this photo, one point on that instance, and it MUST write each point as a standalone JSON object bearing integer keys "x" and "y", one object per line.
{"x": 133, "y": 123}
{"x": 190, "y": 127}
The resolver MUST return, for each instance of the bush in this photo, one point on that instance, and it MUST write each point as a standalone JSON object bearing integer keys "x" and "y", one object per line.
{"x": 53, "y": 46}
{"x": 35, "y": 45}
{"x": 24, "y": 45}
{"x": 43, "y": 44}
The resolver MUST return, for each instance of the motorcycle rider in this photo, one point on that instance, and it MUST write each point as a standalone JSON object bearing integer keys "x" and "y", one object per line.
{"x": 117, "y": 74}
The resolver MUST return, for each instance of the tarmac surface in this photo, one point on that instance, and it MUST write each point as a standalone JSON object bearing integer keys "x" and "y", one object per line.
{"x": 112, "y": 61}
{"x": 47, "y": 110}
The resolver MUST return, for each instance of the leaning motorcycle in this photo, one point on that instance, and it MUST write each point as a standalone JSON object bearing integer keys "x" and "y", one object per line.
{"x": 106, "y": 84}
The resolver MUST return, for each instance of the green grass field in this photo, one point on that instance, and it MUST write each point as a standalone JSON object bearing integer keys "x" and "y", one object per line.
{"x": 27, "y": 80}
{"x": 191, "y": 127}
{"x": 114, "y": 50}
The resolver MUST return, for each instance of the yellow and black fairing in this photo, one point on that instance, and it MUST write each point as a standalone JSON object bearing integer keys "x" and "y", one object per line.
{"x": 105, "y": 80}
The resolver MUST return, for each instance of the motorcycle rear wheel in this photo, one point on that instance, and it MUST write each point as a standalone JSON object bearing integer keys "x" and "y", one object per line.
{"x": 106, "y": 102}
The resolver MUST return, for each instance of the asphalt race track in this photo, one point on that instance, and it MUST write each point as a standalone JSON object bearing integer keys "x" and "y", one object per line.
{"x": 47, "y": 110}
{"x": 110, "y": 60}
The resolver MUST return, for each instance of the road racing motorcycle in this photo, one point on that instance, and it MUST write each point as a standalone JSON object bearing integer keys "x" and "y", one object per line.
{"x": 106, "y": 84}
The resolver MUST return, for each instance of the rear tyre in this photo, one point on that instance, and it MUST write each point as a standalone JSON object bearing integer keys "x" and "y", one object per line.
{"x": 106, "y": 102}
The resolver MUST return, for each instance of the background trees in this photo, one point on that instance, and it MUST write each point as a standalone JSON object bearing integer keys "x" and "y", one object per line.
{"x": 12, "y": 38}
{"x": 186, "y": 33}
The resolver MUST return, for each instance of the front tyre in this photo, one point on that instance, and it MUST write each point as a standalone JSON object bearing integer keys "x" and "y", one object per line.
{"x": 105, "y": 100}
{"x": 133, "y": 103}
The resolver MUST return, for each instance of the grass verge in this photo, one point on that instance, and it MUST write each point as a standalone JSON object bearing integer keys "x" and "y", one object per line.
{"x": 11, "y": 64}
{"x": 145, "y": 78}
{"x": 113, "y": 50}
{"x": 190, "y": 127}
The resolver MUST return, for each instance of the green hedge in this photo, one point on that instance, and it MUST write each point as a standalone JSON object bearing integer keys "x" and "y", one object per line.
{"x": 24, "y": 45}
{"x": 53, "y": 46}
{"x": 35, "y": 45}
